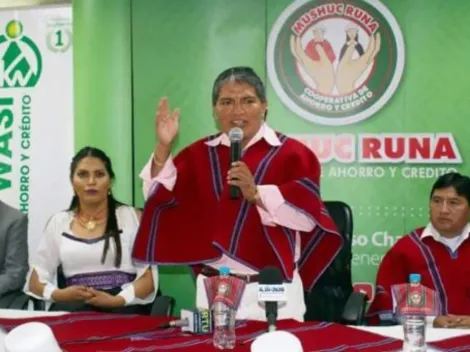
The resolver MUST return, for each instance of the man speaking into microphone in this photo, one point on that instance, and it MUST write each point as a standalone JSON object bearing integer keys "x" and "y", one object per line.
{"x": 214, "y": 205}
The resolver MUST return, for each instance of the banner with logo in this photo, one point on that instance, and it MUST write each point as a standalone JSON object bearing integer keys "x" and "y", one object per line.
{"x": 36, "y": 112}
{"x": 378, "y": 89}
{"x": 370, "y": 82}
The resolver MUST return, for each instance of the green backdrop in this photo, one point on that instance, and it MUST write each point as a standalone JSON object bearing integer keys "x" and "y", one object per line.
{"x": 144, "y": 49}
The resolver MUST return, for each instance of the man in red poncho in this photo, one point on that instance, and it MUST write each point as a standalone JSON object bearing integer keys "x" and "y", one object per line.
{"x": 439, "y": 252}
{"x": 279, "y": 219}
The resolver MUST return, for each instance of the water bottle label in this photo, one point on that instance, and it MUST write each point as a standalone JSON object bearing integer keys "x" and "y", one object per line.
{"x": 222, "y": 288}
{"x": 415, "y": 298}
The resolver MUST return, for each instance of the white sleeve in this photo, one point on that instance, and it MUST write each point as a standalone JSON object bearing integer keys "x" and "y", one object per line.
{"x": 279, "y": 212}
{"x": 47, "y": 258}
{"x": 128, "y": 292}
{"x": 166, "y": 176}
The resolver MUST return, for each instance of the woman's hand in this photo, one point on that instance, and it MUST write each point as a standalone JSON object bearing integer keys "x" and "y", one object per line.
{"x": 72, "y": 294}
{"x": 104, "y": 300}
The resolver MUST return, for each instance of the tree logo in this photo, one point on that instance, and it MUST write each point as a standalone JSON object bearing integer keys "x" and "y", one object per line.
{"x": 20, "y": 59}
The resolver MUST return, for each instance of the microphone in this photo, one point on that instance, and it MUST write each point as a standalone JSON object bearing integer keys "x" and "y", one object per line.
{"x": 235, "y": 136}
{"x": 271, "y": 290}
{"x": 195, "y": 321}
{"x": 175, "y": 323}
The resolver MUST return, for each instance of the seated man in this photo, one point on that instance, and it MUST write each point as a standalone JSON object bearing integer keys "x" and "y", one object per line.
{"x": 439, "y": 252}
{"x": 13, "y": 248}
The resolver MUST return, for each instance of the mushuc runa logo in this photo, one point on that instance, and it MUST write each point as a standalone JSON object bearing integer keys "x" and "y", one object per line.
{"x": 335, "y": 62}
{"x": 20, "y": 59}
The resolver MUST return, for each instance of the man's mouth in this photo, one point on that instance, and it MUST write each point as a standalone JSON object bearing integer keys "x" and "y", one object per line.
{"x": 444, "y": 220}
{"x": 239, "y": 123}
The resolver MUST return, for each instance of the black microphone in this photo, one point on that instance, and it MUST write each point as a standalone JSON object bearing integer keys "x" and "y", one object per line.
{"x": 236, "y": 136}
{"x": 271, "y": 290}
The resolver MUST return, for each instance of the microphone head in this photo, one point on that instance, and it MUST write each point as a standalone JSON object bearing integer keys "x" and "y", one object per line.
{"x": 270, "y": 276}
{"x": 235, "y": 134}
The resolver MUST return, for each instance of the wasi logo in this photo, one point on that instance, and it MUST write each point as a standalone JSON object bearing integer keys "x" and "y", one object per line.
{"x": 20, "y": 59}
{"x": 335, "y": 62}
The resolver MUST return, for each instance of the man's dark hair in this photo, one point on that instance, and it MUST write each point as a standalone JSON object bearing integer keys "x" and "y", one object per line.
{"x": 459, "y": 182}
{"x": 240, "y": 75}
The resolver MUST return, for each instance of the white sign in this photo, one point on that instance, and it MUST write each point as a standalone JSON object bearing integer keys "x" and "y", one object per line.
{"x": 272, "y": 293}
{"x": 36, "y": 112}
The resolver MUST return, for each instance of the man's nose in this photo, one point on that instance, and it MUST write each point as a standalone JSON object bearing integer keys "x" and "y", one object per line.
{"x": 445, "y": 207}
{"x": 238, "y": 108}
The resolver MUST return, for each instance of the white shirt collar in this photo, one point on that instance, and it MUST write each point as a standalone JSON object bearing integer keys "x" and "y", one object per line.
{"x": 265, "y": 132}
{"x": 430, "y": 231}
{"x": 452, "y": 243}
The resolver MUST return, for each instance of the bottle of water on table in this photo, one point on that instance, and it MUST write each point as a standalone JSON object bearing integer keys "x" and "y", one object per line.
{"x": 414, "y": 326}
{"x": 224, "y": 316}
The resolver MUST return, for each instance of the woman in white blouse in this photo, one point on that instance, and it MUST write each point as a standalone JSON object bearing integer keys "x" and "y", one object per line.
{"x": 92, "y": 242}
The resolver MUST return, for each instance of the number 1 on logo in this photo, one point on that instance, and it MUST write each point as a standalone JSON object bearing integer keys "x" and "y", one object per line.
{"x": 59, "y": 41}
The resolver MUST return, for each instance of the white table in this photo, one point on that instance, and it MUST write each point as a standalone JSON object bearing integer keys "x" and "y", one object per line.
{"x": 14, "y": 313}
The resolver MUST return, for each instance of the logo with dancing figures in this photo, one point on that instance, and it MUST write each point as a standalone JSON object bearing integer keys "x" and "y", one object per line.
{"x": 335, "y": 62}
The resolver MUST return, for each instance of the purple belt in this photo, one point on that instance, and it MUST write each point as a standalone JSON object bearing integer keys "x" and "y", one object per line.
{"x": 101, "y": 280}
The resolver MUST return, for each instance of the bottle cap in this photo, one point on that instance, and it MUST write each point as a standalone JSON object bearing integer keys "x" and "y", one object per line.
{"x": 224, "y": 270}
{"x": 415, "y": 278}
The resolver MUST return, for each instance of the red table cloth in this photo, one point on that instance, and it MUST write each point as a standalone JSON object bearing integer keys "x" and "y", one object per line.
{"x": 82, "y": 332}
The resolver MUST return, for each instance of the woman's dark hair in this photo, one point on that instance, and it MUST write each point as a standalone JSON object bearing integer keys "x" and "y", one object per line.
{"x": 112, "y": 230}
{"x": 358, "y": 47}
{"x": 459, "y": 182}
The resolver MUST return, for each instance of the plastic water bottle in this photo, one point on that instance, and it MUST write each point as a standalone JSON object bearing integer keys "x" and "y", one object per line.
{"x": 224, "y": 317}
{"x": 414, "y": 326}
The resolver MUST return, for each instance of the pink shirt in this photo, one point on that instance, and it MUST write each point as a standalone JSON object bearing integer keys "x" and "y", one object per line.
{"x": 277, "y": 212}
